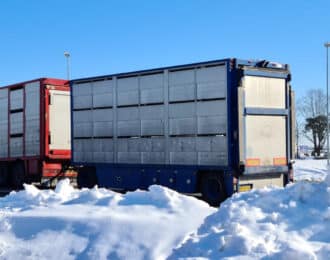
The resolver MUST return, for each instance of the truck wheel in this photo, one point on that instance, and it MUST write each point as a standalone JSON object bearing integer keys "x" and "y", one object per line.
{"x": 17, "y": 175}
{"x": 3, "y": 175}
{"x": 86, "y": 177}
{"x": 212, "y": 188}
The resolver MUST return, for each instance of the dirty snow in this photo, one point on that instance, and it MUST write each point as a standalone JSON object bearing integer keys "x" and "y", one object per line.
{"x": 272, "y": 223}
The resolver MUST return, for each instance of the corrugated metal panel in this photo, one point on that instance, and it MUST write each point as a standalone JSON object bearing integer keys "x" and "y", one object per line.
{"x": 3, "y": 123}
{"x": 151, "y": 89}
{"x": 82, "y": 95}
{"x": 16, "y": 99}
{"x": 103, "y": 122}
{"x": 32, "y": 116}
{"x": 182, "y": 85}
{"x": 102, "y": 93}
{"x": 103, "y": 150}
{"x": 146, "y": 105}
{"x": 128, "y": 91}
{"x": 83, "y": 150}
{"x": 82, "y": 124}
{"x": 16, "y": 146}
{"x": 211, "y": 82}
{"x": 16, "y": 123}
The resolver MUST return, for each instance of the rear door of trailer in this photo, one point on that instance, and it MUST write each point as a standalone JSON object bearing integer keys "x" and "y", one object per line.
{"x": 264, "y": 123}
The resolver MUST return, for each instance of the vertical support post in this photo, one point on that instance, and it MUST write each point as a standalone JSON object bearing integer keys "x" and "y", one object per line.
{"x": 327, "y": 45}
{"x": 67, "y": 55}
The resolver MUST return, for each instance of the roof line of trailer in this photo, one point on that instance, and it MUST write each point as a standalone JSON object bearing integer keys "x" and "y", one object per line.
{"x": 47, "y": 81}
{"x": 151, "y": 71}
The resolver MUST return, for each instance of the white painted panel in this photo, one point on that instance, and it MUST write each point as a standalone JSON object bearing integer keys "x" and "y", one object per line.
{"x": 264, "y": 92}
{"x": 16, "y": 99}
{"x": 264, "y": 141}
{"x": 59, "y": 120}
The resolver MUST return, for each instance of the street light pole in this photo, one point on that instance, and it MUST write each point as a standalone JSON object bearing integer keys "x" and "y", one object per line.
{"x": 327, "y": 45}
{"x": 67, "y": 55}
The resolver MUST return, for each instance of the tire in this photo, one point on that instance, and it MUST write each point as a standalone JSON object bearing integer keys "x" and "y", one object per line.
{"x": 4, "y": 175}
{"x": 86, "y": 177}
{"x": 17, "y": 175}
{"x": 212, "y": 188}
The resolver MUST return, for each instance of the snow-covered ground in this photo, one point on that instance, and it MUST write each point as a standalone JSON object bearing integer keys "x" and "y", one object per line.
{"x": 272, "y": 223}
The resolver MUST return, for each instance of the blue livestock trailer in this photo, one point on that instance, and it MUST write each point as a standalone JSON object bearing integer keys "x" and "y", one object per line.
{"x": 209, "y": 128}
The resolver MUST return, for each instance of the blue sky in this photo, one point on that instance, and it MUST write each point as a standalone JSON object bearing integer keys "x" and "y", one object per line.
{"x": 107, "y": 37}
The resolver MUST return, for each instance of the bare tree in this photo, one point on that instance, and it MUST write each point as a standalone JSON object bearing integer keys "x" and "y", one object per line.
{"x": 311, "y": 113}
{"x": 312, "y": 104}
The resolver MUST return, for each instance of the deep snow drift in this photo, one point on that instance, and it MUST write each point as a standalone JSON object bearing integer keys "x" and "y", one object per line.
{"x": 272, "y": 223}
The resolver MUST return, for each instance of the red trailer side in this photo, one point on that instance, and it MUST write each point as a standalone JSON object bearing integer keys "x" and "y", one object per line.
{"x": 34, "y": 131}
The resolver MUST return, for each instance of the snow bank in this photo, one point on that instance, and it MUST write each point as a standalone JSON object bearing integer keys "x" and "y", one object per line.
{"x": 96, "y": 223}
{"x": 272, "y": 223}
{"x": 310, "y": 170}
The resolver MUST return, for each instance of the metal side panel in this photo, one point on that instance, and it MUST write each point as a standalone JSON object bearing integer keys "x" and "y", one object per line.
{"x": 153, "y": 157}
{"x": 151, "y": 89}
{"x": 32, "y": 119}
{"x": 4, "y": 123}
{"x": 265, "y": 92}
{"x": 82, "y": 95}
{"x": 82, "y": 150}
{"x": 182, "y": 85}
{"x": 103, "y": 93}
{"x": 102, "y": 122}
{"x": 182, "y": 118}
{"x": 16, "y": 146}
{"x": 211, "y": 82}
{"x": 128, "y": 91}
{"x": 102, "y": 150}
{"x": 16, "y": 99}
{"x": 59, "y": 120}
{"x": 82, "y": 123}
{"x": 16, "y": 123}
